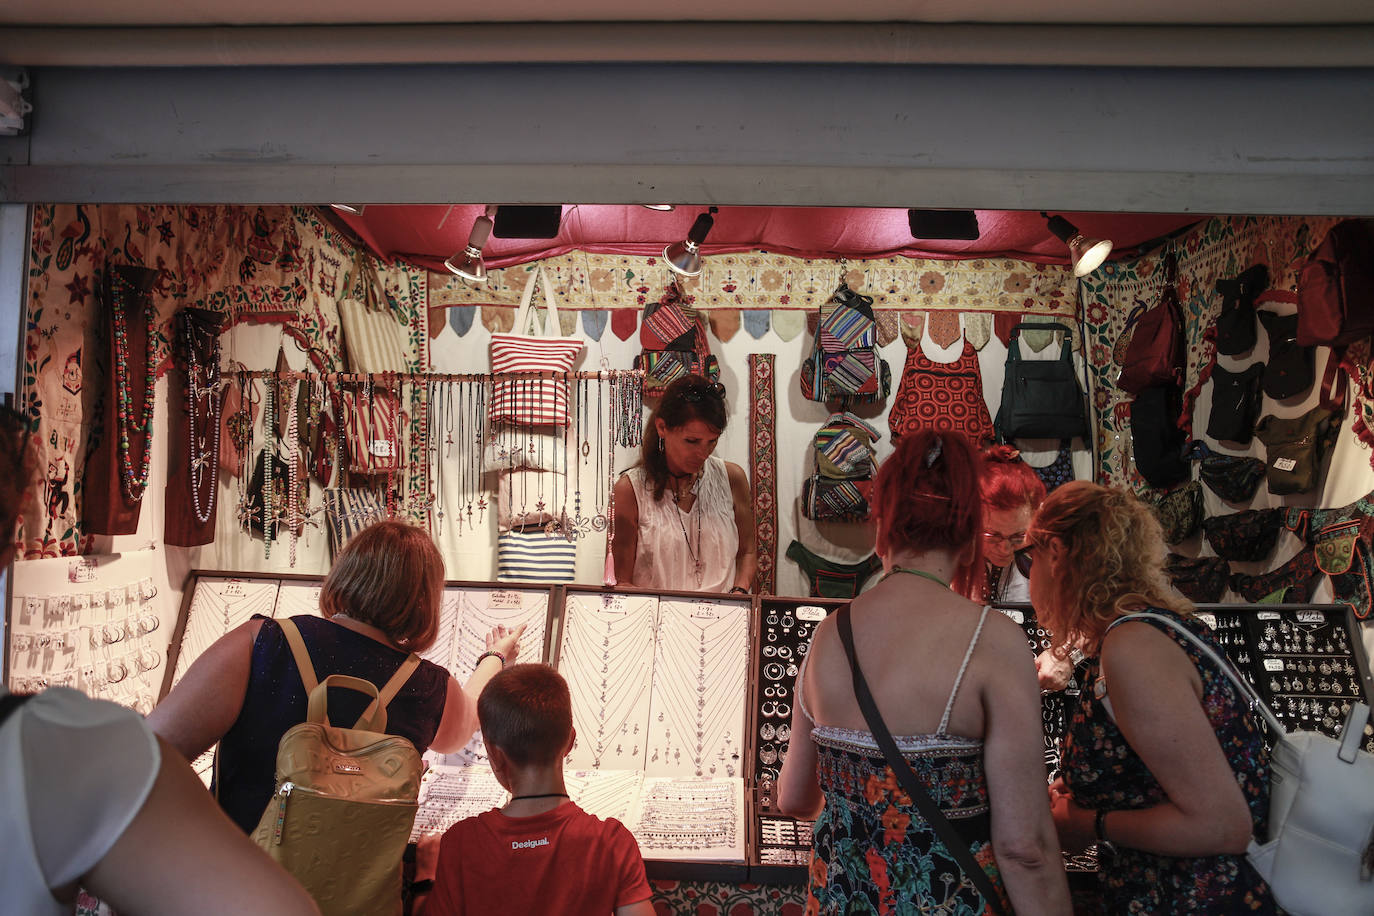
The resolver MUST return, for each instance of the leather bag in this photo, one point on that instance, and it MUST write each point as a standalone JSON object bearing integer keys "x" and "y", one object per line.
{"x": 1155, "y": 353}
{"x": 1319, "y": 856}
{"x": 1041, "y": 399}
{"x": 1336, "y": 287}
{"x": 346, "y": 798}
{"x": 534, "y": 400}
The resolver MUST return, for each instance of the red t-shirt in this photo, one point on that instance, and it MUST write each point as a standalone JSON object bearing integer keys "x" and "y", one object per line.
{"x": 562, "y": 861}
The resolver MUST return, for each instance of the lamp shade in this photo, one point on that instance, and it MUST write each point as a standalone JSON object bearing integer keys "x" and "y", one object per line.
{"x": 468, "y": 263}
{"x": 685, "y": 257}
{"x": 1088, "y": 254}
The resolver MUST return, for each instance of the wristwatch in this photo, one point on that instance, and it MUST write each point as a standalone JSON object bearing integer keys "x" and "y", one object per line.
{"x": 1100, "y": 831}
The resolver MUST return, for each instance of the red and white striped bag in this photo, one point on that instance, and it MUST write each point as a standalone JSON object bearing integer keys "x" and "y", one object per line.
{"x": 374, "y": 445}
{"x": 533, "y": 400}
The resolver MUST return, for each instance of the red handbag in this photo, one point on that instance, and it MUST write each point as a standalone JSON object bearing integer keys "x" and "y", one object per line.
{"x": 1336, "y": 287}
{"x": 1155, "y": 354}
{"x": 373, "y": 431}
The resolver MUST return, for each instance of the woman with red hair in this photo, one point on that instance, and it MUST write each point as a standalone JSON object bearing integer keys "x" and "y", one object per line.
{"x": 1011, "y": 493}
{"x": 954, "y": 686}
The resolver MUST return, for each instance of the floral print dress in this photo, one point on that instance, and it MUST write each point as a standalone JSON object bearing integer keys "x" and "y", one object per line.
{"x": 1103, "y": 771}
{"x": 873, "y": 852}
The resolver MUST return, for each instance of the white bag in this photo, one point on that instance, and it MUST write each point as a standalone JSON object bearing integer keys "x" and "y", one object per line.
{"x": 1319, "y": 860}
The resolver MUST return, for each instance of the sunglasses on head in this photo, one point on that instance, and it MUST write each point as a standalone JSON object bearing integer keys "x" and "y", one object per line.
{"x": 1023, "y": 560}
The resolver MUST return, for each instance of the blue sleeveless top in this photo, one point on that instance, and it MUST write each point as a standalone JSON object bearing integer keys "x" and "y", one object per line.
{"x": 276, "y": 701}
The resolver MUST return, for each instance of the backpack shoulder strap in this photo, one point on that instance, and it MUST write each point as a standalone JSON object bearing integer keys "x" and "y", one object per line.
{"x": 303, "y": 663}
{"x": 392, "y": 687}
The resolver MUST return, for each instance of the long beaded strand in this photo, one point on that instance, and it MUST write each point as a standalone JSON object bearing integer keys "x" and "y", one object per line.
{"x": 134, "y": 483}
{"x": 269, "y": 437}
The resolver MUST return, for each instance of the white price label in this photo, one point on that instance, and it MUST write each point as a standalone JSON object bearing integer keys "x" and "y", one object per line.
{"x": 1016, "y": 616}
{"x": 82, "y": 569}
{"x": 810, "y": 612}
{"x": 613, "y": 603}
{"x": 1285, "y": 464}
{"x": 1273, "y": 664}
{"x": 1268, "y": 615}
{"x": 1209, "y": 619}
{"x": 381, "y": 448}
{"x": 506, "y": 599}
{"x": 1311, "y": 617}
{"x": 233, "y": 589}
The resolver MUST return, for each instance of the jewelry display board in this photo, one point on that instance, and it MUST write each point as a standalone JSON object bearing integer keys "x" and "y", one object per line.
{"x": 298, "y": 599}
{"x": 659, "y": 693}
{"x": 1307, "y": 662}
{"x": 1054, "y": 704}
{"x": 212, "y": 606}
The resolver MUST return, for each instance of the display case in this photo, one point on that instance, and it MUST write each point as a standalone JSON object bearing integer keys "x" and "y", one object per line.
{"x": 682, "y": 702}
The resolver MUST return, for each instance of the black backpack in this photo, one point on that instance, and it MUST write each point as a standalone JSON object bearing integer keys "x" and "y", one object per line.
{"x": 1159, "y": 445}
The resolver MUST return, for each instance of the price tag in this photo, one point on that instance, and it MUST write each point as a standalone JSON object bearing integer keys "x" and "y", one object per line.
{"x": 706, "y": 610}
{"x": 1285, "y": 464}
{"x": 82, "y": 569}
{"x": 1268, "y": 615}
{"x": 1209, "y": 619}
{"x": 810, "y": 612}
{"x": 1273, "y": 664}
{"x": 1016, "y": 616}
{"x": 380, "y": 448}
{"x": 233, "y": 588}
{"x": 506, "y": 600}
{"x": 1311, "y": 617}
{"x": 613, "y": 603}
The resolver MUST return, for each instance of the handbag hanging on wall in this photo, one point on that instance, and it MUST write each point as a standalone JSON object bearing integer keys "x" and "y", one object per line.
{"x": 534, "y": 400}
{"x": 1155, "y": 353}
{"x": 1336, "y": 287}
{"x": 1236, "y": 323}
{"x": 1289, "y": 372}
{"x": 673, "y": 336}
{"x": 1235, "y": 403}
{"x": 1041, "y": 399}
{"x": 1157, "y": 444}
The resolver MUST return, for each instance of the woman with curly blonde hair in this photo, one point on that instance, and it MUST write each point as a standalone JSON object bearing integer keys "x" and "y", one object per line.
{"x": 1160, "y": 740}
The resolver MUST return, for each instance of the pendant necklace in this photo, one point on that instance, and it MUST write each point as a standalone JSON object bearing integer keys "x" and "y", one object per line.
{"x": 915, "y": 572}
{"x": 698, "y": 567}
{"x": 199, "y": 340}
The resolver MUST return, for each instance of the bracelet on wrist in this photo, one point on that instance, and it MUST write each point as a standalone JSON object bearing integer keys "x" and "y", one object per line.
{"x": 491, "y": 653}
{"x": 1100, "y": 831}
{"x": 739, "y": 590}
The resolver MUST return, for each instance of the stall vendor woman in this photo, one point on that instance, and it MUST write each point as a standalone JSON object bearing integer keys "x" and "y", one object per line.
{"x": 682, "y": 516}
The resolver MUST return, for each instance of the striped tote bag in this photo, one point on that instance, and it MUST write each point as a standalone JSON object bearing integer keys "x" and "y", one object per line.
{"x": 533, "y": 400}
{"x": 534, "y": 556}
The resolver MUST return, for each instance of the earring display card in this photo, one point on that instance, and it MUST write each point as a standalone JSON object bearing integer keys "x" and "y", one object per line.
{"x": 1307, "y": 662}
{"x": 1054, "y": 704}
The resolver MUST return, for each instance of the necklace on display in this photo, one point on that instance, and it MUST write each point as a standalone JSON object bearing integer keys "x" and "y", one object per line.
{"x": 133, "y": 482}
{"x": 915, "y": 572}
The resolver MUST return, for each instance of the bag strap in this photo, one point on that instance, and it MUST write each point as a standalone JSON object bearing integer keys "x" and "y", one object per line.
{"x": 525, "y": 313}
{"x": 317, "y": 710}
{"x": 1256, "y": 704}
{"x": 957, "y": 845}
{"x": 1335, "y": 383}
{"x": 302, "y": 656}
{"x": 311, "y": 681}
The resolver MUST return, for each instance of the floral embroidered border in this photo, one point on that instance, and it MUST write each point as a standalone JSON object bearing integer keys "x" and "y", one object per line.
{"x": 760, "y": 280}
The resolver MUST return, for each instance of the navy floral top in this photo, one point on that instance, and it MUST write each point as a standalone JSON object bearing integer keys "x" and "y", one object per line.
{"x": 1103, "y": 771}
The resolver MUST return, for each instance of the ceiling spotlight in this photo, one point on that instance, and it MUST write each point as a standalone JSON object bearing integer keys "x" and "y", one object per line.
{"x": 468, "y": 263}
{"x": 1085, "y": 254}
{"x": 349, "y": 208}
{"x": 685, "y": 257}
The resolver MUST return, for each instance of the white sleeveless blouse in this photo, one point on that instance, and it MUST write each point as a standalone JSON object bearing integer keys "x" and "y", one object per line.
{"x": 669, "y": 537}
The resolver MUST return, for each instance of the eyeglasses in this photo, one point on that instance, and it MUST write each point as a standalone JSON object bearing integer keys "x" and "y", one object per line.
{"x": 1023, "y": 560}
{"x": 1011, "y": 540}
{"x": 699, "y": 393}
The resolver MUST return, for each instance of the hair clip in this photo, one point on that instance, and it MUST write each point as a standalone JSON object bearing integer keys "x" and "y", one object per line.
{"x": 934, "y": 452}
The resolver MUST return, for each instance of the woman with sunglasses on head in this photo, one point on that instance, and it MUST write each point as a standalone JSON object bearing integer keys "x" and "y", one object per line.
{"x": 683, "y": 518}
{"x": 1164, "y": 765}
{"x": 955, "y": 687}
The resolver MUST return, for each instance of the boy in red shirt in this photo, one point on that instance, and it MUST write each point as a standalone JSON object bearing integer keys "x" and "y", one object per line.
{"x": 540, "y": 853}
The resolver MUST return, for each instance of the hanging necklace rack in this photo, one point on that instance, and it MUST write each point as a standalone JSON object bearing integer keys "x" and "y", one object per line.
{"x": 393, "y": 378}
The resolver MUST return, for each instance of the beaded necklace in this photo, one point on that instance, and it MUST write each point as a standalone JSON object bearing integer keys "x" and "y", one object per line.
{"x": 134, "y": 483}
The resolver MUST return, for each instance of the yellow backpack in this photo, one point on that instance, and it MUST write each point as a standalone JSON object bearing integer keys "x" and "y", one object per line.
{"x": 346, "y": 797}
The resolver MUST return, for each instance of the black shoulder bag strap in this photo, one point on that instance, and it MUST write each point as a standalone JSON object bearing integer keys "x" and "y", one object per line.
{"x": 9, "y": 702}
{"x": 954, "y": 843}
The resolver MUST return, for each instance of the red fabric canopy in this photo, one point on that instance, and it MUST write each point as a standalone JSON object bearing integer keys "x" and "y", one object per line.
{"x": 428, "y": 234}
